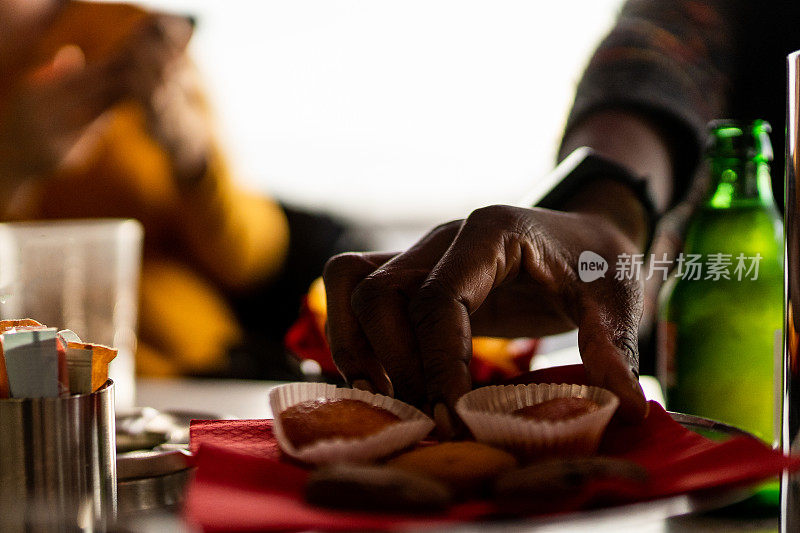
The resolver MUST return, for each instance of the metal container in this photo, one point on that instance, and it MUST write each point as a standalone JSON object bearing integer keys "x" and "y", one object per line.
{"x": 58, "y": 463}
{"x": 790, "y": 489}
{"x": 152, "y": 481}
{"x": 153, "y": 460}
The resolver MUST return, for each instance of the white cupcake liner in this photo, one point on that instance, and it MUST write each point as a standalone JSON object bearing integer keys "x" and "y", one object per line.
{"x": 487, "y": 413}
{"x": 412, "y": 427}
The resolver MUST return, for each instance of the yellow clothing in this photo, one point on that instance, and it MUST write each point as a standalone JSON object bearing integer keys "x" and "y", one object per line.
{"x": 199, "y": 243}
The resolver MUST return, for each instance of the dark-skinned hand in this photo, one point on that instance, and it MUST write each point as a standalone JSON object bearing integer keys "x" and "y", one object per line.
{"x": 402, "y": 324}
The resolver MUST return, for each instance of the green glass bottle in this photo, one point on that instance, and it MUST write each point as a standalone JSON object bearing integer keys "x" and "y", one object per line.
{"x": 720, "y": 313}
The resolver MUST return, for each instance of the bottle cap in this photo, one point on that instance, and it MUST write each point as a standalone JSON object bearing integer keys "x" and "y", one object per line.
{"x": 728, "y": 138}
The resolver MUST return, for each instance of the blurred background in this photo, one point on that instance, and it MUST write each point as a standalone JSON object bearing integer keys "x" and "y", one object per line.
{"x": 344, "y": 125}
{"x": 395, "y": 114}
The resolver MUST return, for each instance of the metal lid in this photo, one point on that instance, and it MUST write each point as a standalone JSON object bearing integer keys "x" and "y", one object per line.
{"x": 143, "y": 464}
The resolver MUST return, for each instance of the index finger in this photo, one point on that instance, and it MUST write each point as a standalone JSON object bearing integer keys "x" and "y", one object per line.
{"x": 476, "y": 262}
{"x": 350, "y": 349}
{"x": 607, "y": 338}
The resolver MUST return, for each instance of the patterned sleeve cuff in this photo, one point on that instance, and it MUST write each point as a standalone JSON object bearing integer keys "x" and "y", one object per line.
{"x": 669, "y": 61}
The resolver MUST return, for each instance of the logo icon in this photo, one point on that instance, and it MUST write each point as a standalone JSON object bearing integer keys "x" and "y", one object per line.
{"x": 591, "y": 266}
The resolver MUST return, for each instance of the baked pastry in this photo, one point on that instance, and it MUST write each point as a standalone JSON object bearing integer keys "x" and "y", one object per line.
{"x": 463, "y": 466}
{"x": 558, "y": 409}
{"x": 375, "y": 488}
{"x": 342, "y": 425}
{"x": 310, "y": 421}
{"x": 519, "y": 418}
{"x": 531, "y": 489}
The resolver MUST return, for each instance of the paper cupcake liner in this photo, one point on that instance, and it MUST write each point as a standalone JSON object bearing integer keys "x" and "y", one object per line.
{"x": 412, "y": 427}
{"x": 487, "y": 413}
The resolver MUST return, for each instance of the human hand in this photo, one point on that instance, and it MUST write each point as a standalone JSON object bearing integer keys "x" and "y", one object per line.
{"x": 48, "y": 113}
{"x": 165, "y": 82}
{"x": 402, "y": 324}
{"x": 49, "y": 110}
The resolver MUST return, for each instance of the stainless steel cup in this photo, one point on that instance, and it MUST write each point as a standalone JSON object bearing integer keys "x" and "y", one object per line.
{"x": 790, "y": 488}
{"x": 58, "y": 463}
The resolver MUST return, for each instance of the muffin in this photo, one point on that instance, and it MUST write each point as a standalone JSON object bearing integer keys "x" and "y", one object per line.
{"x": 466, "y": 467}
{"x": 321, "y": 424}
{"x": 343, "y": 418}
{"x": 539, "y": 420}
{"x": 557, "y": 409}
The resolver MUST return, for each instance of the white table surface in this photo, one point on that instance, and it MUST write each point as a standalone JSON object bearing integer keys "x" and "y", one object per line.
{"x": 223, "y": 397}
{"x": 248, "y": 399}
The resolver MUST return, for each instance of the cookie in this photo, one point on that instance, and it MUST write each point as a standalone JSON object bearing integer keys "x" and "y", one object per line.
{"x": 375, "y": 488}
{"x": 535, "y": 485}
{"x": 466, "y": 467}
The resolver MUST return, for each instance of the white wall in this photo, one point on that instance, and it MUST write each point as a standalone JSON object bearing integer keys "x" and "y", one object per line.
{"x": 394, "y": 111}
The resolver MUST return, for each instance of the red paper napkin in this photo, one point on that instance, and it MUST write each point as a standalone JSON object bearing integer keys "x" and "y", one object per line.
{"x": 243, "y": 483}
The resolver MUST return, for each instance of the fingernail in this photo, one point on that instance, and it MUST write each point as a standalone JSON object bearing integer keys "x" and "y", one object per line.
{"x": 640, "y": 392}
{"x": 633, "y": 404}
{"x": 633, "y": 380}
{"x": 635, "y": 385}
{"x": 363, "y": 384}
{"x": 444, "y": 422}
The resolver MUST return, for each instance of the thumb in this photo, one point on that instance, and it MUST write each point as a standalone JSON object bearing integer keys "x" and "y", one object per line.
{"x": 68, "y": 60}
{"x": 607, "y": 339}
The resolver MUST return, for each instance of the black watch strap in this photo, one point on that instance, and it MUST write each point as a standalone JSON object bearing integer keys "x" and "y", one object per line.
{"x": 583, "y": 166}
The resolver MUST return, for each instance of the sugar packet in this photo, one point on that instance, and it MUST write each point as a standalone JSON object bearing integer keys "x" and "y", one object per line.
{"x": 87, "y": 363}
{"x": 32, "y": 363}
{"x": 5, "y": 325}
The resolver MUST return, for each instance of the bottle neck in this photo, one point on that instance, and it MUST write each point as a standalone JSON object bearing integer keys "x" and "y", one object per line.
{"x": 739, "y": 183}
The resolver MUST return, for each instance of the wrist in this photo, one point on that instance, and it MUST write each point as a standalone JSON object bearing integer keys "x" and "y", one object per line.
{"x": 633, "y": 141}
{"x": 616, "y": 204}
{"x": 589, "y": 183}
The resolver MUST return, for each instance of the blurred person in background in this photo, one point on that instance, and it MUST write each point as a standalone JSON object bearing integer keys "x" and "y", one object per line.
{"x": 102, "y": 115}
{"x": 401, "y": 323}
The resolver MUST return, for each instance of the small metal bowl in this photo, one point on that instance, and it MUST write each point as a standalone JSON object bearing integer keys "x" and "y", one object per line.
{"x": 153, "y": 459}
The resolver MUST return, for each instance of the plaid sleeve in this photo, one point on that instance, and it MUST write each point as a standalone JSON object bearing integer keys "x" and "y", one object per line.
{"x": 670, "y": 60}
